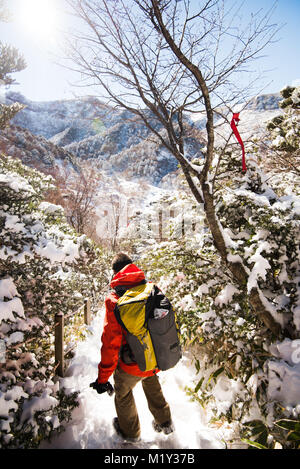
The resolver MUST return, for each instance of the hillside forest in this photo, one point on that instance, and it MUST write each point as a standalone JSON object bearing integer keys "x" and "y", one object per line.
{"x": 157, "y": 172}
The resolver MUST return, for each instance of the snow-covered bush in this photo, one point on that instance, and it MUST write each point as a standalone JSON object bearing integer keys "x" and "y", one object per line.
{"x": 245, "y": 373}
{"x": 285, "y": 133}
{"x": 45, "y": 267}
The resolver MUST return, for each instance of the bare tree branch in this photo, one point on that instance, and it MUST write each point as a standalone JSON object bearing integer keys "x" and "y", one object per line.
{"x": 165, "y": 59}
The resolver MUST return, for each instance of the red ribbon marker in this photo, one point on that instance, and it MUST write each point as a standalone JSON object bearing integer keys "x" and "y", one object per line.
{"x": 235, "y": 119}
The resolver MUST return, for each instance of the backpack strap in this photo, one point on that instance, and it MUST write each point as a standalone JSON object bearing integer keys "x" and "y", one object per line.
{"x": 121, "y": 289}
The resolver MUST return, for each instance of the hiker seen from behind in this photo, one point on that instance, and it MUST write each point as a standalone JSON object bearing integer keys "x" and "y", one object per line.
{"x": 140, "y": 338}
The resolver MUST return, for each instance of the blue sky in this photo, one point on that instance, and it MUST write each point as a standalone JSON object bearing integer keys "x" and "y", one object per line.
{"x": 43, "y": 79}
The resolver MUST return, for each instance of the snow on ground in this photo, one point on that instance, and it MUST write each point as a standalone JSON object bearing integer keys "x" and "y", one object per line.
{"x": 91, "y": 425}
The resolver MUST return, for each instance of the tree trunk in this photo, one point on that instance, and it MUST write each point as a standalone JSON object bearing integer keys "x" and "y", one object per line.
{"x": 236, "y": 268}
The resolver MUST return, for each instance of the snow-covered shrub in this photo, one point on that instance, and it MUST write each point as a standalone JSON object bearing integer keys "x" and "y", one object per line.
{"x": 245, "y": 373}
{"x": 45, "y": 267}
{"x": 285, "y": 133}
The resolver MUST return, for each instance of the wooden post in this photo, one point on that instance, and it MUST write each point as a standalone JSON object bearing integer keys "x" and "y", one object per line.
{"x": 59, "y": 343}
{"x": 160, "y": 225}
{"x": 87, "y": 311}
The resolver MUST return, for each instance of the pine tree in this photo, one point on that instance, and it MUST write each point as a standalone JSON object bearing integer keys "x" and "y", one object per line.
{"x": 10, "y": 62}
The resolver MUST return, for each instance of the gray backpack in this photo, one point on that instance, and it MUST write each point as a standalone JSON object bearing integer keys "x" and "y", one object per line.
{"x": 151, "y": 329}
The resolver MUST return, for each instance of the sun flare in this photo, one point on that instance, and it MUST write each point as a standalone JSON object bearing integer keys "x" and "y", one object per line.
{"x": 40, "y": 18}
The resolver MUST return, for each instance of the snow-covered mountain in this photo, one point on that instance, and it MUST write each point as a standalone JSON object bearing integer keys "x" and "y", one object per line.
{"x": 116, "y": 139}
{"x": 34, "y": 150}
{"x": 253, "y": 116}
{"x": 50, "y": 118}
{"x": 265, "y": 102}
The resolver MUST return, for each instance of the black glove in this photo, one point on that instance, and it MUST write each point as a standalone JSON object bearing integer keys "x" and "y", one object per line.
{"x": 102, "y": 387}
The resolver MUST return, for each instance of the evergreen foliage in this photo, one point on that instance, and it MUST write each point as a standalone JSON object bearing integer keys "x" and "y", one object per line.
{"x": 45, "y": 268}
{"x": 284, "y": 133}
{"x": 242, "y": 367}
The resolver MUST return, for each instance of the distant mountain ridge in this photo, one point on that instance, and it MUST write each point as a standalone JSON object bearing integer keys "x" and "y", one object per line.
{"x": 265, "y": 102}
{"x": 49, "y": 118}
{"x": 72, "y": 120}
{"x": 118, "y": 140}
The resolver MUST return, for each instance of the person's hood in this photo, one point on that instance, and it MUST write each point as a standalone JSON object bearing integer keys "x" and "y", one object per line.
{"x": 129, "y": 275}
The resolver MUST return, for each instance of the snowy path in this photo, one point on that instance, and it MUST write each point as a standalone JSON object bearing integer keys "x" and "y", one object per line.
{"x": 91, "y": 426}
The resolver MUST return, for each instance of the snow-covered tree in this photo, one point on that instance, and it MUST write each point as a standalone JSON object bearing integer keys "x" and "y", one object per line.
{"x": 10, "y": 62}
{"x": 285, "y": 133}
{"x": 242, "y": 366}
{"x": 45, "y": 268}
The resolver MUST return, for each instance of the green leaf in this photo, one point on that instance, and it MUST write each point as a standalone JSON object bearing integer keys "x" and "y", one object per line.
{"x": 254, "y": 443}
{"x": 288, "y": 424}
{"x": 293, "y": 436}
{"x": 215, "y": 374}
{"x": 197, "y": 365}
{"x": 254, "y": 423}
{"x": 263, "y": 437}
{"x": 259, "y": 430}
{"x": 199, "y": 384}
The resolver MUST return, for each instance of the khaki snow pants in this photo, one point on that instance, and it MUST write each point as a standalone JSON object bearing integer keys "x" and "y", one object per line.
{"x": 125, "y": 403}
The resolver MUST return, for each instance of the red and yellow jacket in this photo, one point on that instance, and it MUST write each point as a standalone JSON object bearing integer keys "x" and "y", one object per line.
{"x": 114, "y": 336}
